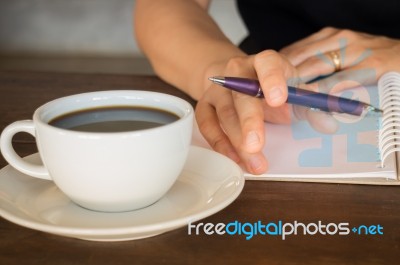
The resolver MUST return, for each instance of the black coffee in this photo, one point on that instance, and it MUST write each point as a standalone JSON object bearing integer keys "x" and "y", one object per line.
{"x": 114, "y": 119}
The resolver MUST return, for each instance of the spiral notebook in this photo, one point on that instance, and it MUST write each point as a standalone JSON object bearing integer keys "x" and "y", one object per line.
{"x": 364, "y": 150}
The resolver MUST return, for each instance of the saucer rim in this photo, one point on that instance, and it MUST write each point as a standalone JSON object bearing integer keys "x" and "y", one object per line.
{"x": 153, "y": 229}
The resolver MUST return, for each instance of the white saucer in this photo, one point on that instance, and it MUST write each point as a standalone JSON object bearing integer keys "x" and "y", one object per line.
{"x": 208, "y": 183}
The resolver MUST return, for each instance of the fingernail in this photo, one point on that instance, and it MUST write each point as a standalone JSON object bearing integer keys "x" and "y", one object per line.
{"x": 256, "y": 164}
{"x": 275, "y": 94}
{"x": 252, "y": 139}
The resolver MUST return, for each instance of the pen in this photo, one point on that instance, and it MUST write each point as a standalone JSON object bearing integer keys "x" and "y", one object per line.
{"x": 297, "y": 96}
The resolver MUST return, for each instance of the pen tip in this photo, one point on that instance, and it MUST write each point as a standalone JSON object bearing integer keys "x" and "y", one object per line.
{"x": 377, "y": 110}
{"x": 217, "y": 79}
{"x": 372, "y": 110}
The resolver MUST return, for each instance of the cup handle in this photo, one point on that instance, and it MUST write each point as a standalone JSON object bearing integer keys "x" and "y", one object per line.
{"x": 37, "y": 171}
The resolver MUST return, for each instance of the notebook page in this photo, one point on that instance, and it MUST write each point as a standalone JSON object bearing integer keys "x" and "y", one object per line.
{"x": 297, "y": 151}
{"x": 347, "y": 154}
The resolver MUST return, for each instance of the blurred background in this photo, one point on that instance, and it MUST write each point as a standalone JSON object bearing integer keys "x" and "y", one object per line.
{"x": 83, "y": 35}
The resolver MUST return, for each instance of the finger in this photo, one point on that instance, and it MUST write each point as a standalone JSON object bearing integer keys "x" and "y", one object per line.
{"x": 212, "y": 132}
{"x": 322, "y": 34}
{"x": 242, "y": 121}
{"x": 219, "y": 123}
{"x": 280, "y": 115}
{"x": 272, "y": 71}
{"x": 334, "y": 42}
{"x": 256, "y": 163}
{"x": 358, "y": 75}
{"x": 241, "y": 117}
{"x": 322, "y": 64}
{"x": 251, "y": 118}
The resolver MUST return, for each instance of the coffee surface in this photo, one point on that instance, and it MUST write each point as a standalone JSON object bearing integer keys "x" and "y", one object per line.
{"x": 114, "y": 119}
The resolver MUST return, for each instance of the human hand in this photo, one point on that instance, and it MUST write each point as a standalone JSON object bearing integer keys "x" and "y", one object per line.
{"x": 355, "y": 54}
{"x": 233, "y": 123}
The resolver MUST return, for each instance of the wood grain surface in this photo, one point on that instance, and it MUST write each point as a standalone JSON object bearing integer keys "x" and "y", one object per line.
{"x": 22, "y": 92}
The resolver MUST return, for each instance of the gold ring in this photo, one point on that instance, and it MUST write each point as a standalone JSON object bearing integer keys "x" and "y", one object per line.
{"x": 335, "y": 57}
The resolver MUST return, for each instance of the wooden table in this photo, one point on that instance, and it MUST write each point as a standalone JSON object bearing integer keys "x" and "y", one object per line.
{"x": 22, "y": 92}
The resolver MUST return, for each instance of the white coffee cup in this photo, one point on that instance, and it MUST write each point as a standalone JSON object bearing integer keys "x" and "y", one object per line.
{"x": 107, "y": 171}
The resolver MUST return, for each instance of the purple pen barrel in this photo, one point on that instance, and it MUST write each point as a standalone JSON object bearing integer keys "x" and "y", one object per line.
{"x": 296, "y": 96}
{"x": 324, "y": 102}
{"x": 245, "y": 86}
